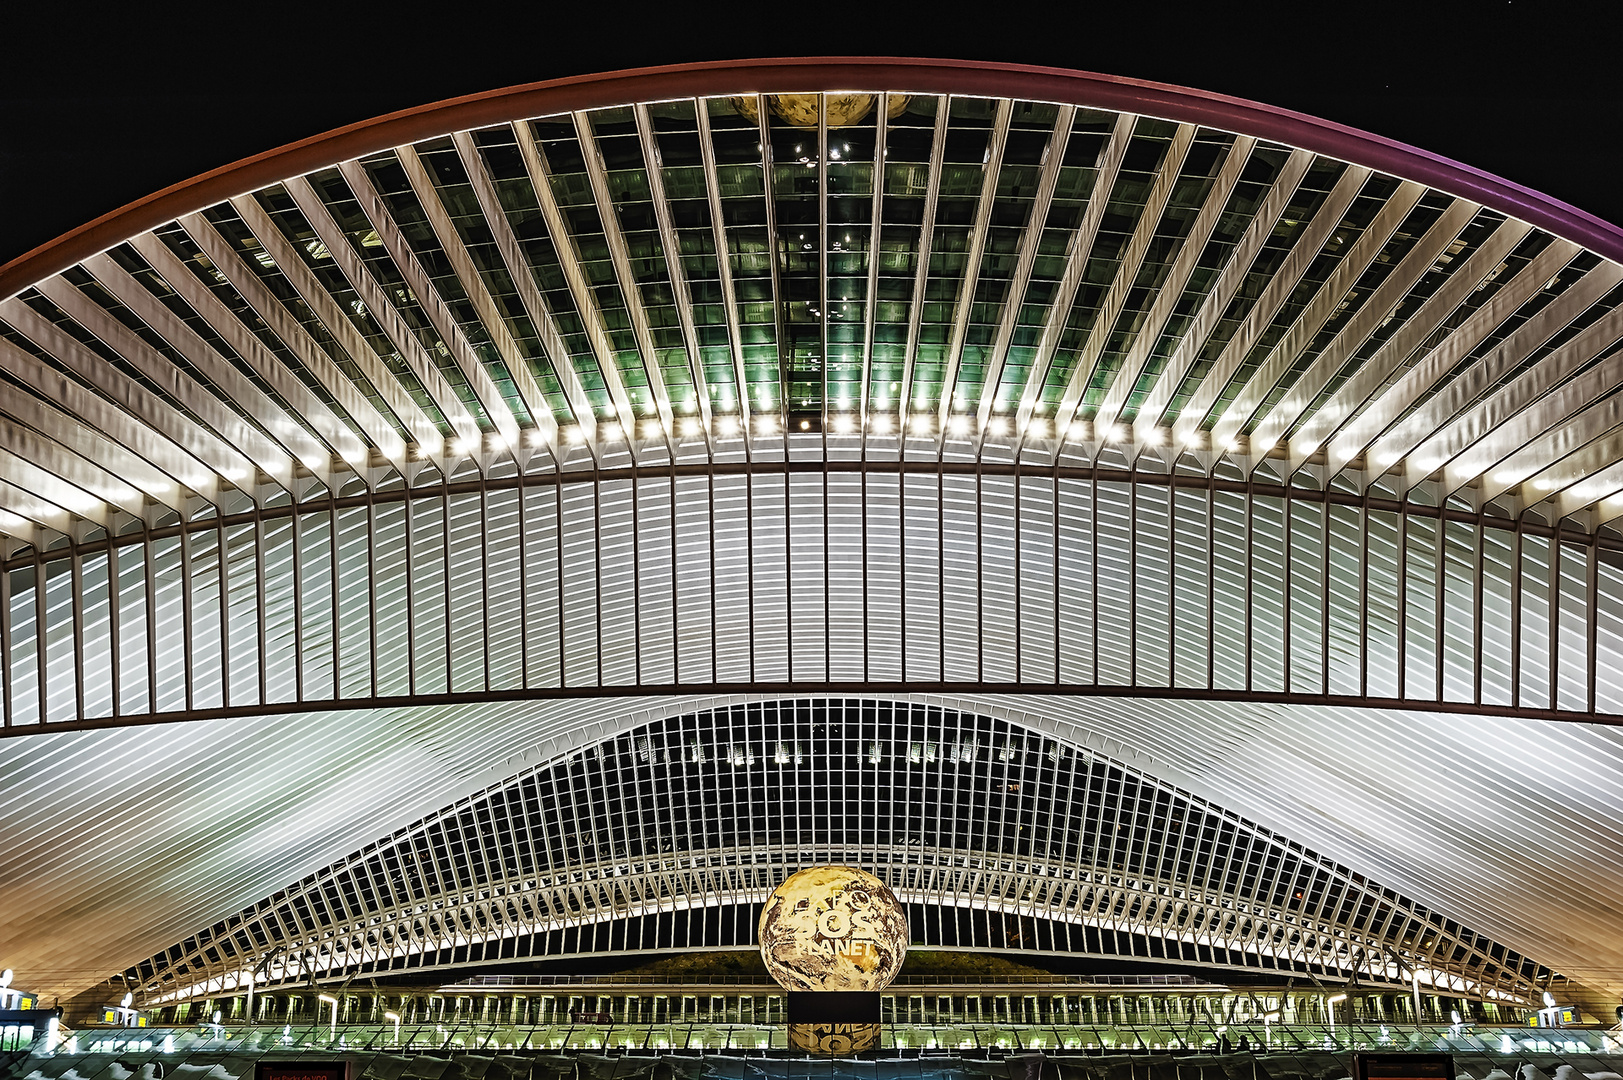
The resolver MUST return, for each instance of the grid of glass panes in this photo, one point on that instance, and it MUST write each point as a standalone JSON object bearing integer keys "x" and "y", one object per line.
{"x": 998, "y": 837}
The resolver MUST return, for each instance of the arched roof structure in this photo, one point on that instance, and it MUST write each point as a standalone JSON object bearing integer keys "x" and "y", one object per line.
{"x": 1273, "y": 462}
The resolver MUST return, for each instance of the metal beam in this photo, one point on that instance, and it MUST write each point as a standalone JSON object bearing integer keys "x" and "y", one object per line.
{"x": 1381, "y": 305}
{"x": 921, "y": 273}
{"x": 517, "y": 364}
{"x": 523, "y": 278}
{"x": 630, "y": 292}
{"x": 258, "y": 296}
{"x": 780, "y": 324}
{"x": 1356, "y": 437}
{"x": 1170, "y": 292}
{"x": 1324, "y": 303}
{"x": 881, "y": 136}
{"x": 252, "y": 449}
{"x": 431, "y": 443}
{"x": 1362, "y": 385}
{"x": 1558, "y": 429}
{"x": 580, "y": 289}
{"x": 1578, "y": 482}
{"x": 265, "y": 364}
{"x": 28, "y": 455}
{"x": 672, "y": 246}
{"x": 729, "y": 293}
{"x": 1533, "y": 402}
{"x": 98, "y": 430}
{"x": 1132, "y": 261}
{"x": 1222, "y": 293}
{"x": 990, "y": 174}
{"x": 1303, "y": 251}
{"x": 1419, "y": 438}
{"x": 1077, "y": 254}
{"x": 382, "y": 311}
{"x": 232, "y": 384}
{"x": 34, "y": 464}
{"x": 44, "y": 515}
{"x": 433, "y": 305}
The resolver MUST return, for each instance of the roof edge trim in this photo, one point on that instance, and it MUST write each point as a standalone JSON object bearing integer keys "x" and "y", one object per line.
{"x": 808, "y": 74}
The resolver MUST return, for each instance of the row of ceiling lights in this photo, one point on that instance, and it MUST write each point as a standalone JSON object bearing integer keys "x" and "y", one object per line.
{"x": 880, "y": 424}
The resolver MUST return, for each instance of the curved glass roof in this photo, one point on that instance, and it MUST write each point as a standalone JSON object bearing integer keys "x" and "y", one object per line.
{"x": 1239, "y": 446}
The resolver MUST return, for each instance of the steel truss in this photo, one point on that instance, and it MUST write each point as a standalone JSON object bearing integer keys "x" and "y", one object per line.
{"x": 1050, "y": 848}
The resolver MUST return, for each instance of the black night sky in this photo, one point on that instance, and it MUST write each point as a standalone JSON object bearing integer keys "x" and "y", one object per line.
{"x": 100, "y": 105}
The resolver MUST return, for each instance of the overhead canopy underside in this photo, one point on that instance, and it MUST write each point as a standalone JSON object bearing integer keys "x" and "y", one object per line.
{"x": 1270, "y": 460}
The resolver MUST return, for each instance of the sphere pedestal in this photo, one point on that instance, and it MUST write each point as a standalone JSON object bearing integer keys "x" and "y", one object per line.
{"x": 833, "y": 1022}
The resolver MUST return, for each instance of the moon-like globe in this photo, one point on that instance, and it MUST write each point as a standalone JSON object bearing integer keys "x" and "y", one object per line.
{"x": 833, "y": 928}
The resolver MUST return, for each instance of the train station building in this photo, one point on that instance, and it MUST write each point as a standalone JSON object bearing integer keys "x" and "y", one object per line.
{"x": 1166, "y": 538}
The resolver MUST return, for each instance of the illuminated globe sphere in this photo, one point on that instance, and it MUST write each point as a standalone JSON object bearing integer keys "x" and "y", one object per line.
{"x": 833, "y": 928}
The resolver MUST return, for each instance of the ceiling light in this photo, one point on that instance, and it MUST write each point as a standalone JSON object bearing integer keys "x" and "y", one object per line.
{"x": 958, "y": 424}
{"x": 612, "y": 432}
{"x": 691, "y": 428}
{"x": 728, "y": 426}
{"x": 843, "y": 423}
{"x": 574, "y": 434}
{"x": 880, "y": 424}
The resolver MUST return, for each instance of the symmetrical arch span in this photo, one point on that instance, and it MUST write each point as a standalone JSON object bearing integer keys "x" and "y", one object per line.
{"x": 672, "y": 833}
{"x": 1130, "y": 413}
